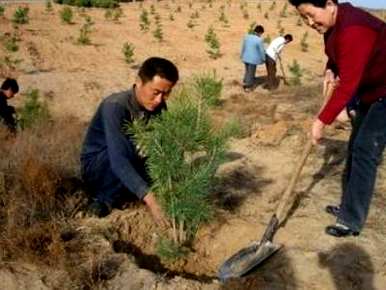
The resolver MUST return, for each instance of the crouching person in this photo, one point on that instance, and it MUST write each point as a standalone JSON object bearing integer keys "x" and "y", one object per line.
{"x": 111, "y": 166}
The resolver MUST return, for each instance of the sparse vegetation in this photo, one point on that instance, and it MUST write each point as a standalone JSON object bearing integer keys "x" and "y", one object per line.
{"x": 273, "y": 6}
{"x": 66, "y": 15}
{"x": 303, "y": 42}
{"x": 191, "y": 24}
{"x": 213, "y": 43}
{"x": 34, "y": 111}
{"x": 128, "y": 52}
{"x": 267, "y": 39}
{"x": 49, "y": 6}
{"x": 251, "y": 28}
{"x": 10, "y": 42}
{"x": 283, "y": 12}
{"x": 222, "y": 18}
{"x": 144, "y": 22}
{"x": 296, "y": 73}
{"x": 20, "y": 15}
{"x": 209, "y": 87}
{"x": 113, "y": 14}
{"x": 158, "y": 33}
{"x": 2, "y": 10}
{"x": 85, "y": 31}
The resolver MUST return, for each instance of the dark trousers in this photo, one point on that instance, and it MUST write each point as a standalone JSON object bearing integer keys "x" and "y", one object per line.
{"x": 270, "y": 64}
{"x": 365, "y": 149}
{"x": 249, "y": 75}
{"x": 101, "y": 182}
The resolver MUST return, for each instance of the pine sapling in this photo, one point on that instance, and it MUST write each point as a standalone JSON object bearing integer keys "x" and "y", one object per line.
{"x": 49, "y": 6}
{"x": 158, "y": 33}
{"x": 85, "y": 31}
{"x": 128, "y": 52}
{"x": 283, "y": 12}
{"x": 303, "y": 42}
{"x": 267, "y": 39}
{"x": 251, "y": 28}
{"x": 296, "y": 73}
{"x": 20, "y": 15}
{"x": 213, "y": 43}
{"x": 144, "y": 22}
{"x": 66, "y": 14}
{"x": 183, "y": 153}
{"x": 208, "y": 87}
{"x": 273, "y": 6}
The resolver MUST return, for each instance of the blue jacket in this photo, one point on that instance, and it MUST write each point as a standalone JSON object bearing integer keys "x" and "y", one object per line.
{"x": 252, "y": 51}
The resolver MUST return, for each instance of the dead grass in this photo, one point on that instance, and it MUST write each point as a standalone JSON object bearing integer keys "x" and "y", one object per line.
{"x": 39, "y": 195}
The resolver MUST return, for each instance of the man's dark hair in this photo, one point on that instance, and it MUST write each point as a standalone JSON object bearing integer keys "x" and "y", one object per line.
{"x": 288, "y": 37}
{"x": 317, "y": 3}
{"x": 259, "y": 29}
{"x": 10, "y": 84}
{"x": 158, "y": 66}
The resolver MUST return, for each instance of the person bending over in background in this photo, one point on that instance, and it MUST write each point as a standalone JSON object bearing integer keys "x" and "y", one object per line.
{"x": 8, "y": 90}
{"x": 252, "y": 54}
{"x": 272, "y": 55}
{"x": 111, "y": 165}
{"x": 355, "y": 43}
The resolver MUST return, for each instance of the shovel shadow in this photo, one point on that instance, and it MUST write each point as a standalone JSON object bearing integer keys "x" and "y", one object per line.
{"x": 275, "y": 273}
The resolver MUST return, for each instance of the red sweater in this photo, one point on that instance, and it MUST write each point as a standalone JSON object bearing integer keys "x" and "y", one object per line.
{"x": 356, "y": 50}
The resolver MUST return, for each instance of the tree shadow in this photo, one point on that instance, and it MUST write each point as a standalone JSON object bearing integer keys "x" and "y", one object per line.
{"x": 275, "y": 273}
{"x": 350, "y": 267}
{"x": 235, "y": 186}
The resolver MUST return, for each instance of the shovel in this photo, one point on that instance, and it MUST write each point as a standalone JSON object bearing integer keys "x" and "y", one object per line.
{"x": 282, "y": 71}
{"x": 248, "y": 258}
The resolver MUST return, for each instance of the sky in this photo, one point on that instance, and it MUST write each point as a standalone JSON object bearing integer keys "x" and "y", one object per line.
{"x": 367, "y": 3}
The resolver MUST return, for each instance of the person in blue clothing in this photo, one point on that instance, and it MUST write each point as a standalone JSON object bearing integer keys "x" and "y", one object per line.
{"x": 252, "y": 54}
{"x": 112, "y": 167}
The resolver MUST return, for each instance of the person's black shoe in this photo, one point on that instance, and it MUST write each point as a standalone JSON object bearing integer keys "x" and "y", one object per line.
{"x": 340, "y": 231}
{"x": 333, "y": 210}
{"x": 99, "y": 209}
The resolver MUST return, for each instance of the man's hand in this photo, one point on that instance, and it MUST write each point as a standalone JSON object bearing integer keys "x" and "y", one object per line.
{"x": 155, "y": 210}
{"x": 317, "y": 131}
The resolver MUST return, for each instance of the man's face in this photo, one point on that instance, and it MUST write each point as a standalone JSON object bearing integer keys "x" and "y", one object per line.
{"x": 151, "y": 94}
{"x": 9, "y": 93}
{"x": 320, "y": 19}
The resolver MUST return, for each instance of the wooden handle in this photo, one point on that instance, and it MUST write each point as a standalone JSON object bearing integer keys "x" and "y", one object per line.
{"x": 288, "y": 199}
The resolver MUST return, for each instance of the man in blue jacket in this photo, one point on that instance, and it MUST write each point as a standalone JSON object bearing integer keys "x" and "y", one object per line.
{"x": 252, "y": 54}
{"x": 111, "y": 164}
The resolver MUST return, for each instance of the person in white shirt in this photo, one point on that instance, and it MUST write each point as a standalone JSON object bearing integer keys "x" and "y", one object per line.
{"x": 272, "y": 54}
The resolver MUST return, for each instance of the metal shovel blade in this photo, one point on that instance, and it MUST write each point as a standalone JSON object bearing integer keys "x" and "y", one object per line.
{"x": 246, "y": 259}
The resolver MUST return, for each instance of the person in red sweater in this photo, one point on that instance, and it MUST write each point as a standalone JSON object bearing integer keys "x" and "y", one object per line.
{"x": 355, "y": 43}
